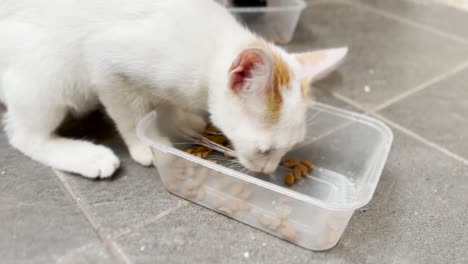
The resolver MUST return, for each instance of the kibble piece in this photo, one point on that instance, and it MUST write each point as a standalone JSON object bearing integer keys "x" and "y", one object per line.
{"x": 275, "y": 224}
{"x": 205, "y": 154}
{"x": 333, "y": 236}
{"x": 180, "y": 163}
{"x": 219, "y": 139}
{"x": 194, "y": 185}
{"x": 264, "y": 220}
{"x": 288, "y": 231}
{"x": 297, "y": 172}
{"x": 189, "y": 193}
{"x": 226, "y": 210}
{"x": 180, "y": 176}
{"x": 190, "y": 150}
{"x": 289, "y": 179}
{"x": 304, "y": 170}
{"x": 211, "y": 128}
{"x": 289, "y": 163}
{"x": 243, "y": 205}
{"x": 216, "y": 204}
{"x": 236, "y": 189}
{"x": 247, "y": 193}
{"x": 202, "y": 174}
{"x": 228, "y": 156}
{"x": 201, "y": 149}
{"x": 233, "y": 205}
{"x": 190, "y": 171}
{"x": 201, "y": 194}
{"x": 223, "y": 182}
{"x": 283, "y": 213}
{"x": 172, "y": 187}
{"x": 178, "y": 170}
{"x": 322, "y": 242}
{"x": 309, "y": 165}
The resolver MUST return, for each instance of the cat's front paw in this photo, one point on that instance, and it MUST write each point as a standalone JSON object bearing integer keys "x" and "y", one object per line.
{"x": 101, "y": 163}
{"x": 142, "y": 154}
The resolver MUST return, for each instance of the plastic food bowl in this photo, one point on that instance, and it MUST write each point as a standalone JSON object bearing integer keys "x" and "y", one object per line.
{"x": 348, "y": 150}
{"x": 275, "y": 22}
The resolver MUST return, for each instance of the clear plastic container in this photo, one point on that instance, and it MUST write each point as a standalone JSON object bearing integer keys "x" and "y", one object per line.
{"x": 348, "y": 150}
{"x": 275, "y": 22}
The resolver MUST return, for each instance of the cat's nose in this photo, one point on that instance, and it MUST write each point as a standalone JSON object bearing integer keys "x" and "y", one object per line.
{"x": 264, "y": 152}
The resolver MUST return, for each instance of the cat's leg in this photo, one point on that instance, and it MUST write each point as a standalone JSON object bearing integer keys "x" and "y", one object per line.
{"x": 126, "y": 108}
{"x": 187, "y": 123}
{"x": 30, "y": 124}
{"x": 39, "y": 143}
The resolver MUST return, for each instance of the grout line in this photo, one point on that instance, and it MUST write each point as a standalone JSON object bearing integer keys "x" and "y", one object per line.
{"x": 113, "y": 250}
{"x": 351, "y": 102}
{"x": 421, "y": 87}
{"x": 70, "y": 256}
{"x": 403, "y": 129}
{"x": 120, "y": 252}
{"x": 421, "y": 139}
{"x": 131, "y": 228}
{"x": 410, "y": 22}
{"x": 326, "y": 134}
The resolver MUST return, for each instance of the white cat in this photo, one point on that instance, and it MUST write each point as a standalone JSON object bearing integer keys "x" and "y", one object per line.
{"x": 69, "y": 56}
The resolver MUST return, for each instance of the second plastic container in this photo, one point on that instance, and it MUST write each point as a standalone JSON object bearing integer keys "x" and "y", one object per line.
{"x": 275, "y": 22}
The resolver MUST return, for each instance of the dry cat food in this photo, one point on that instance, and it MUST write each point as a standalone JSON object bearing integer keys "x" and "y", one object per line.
{"x": 286, "y": 229}
{"x": 299, "y": 168}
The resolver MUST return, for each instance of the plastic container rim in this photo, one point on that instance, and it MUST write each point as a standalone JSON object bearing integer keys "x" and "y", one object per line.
{"x": 295, "y": 5}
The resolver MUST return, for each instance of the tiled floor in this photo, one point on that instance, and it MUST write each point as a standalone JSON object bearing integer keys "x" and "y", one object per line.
{"x": 413, "y": 58}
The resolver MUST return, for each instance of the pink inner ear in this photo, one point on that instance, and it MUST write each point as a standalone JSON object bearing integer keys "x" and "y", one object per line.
{"x": 241, "y": 69}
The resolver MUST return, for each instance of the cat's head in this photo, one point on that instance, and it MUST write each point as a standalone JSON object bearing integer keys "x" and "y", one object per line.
{"x": 263, "y": 108}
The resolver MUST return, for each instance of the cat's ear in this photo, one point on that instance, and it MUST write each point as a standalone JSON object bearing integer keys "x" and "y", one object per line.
{"x": 316, "y": 65}
{"x": 250, "y": 72}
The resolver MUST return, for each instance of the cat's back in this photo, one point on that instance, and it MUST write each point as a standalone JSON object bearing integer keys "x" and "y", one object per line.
{"x": 101, "y": 12}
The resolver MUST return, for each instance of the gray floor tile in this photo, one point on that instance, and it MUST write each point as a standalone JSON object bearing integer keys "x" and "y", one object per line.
{"x": 418, "y": 215}
{"x": 430, "y": 13}
{"x": 322, "y": 95}
{"x": 387, "y": 56}
{"x": 438, "y": 113}
{"x": 419, "y": 208}
{"x": 194, "y": 234}
{"x": 94, "y": 255}
{"x": 133, "y": 195}
{"x": 39, "y": 221}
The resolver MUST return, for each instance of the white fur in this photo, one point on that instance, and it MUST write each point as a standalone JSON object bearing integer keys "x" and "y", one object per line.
{"x": 67, "y": 56}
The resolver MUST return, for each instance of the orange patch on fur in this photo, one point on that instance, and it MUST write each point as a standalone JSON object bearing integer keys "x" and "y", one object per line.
{"x": 281, "y": 80}
{"x": 305, "y": 89}
{"x": 281, "y": 75}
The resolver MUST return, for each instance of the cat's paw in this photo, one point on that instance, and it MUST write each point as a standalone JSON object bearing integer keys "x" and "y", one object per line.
{"x": 142, "y": 154}
{"x": 101, "y": 163}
